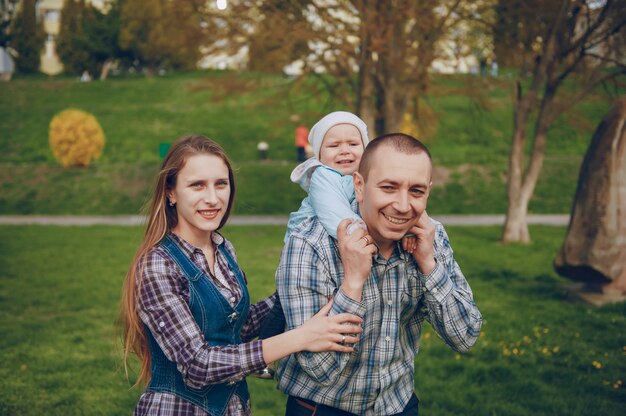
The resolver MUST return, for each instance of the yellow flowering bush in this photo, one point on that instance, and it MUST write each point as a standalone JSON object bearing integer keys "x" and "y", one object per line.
{"x": 76, "y": 138}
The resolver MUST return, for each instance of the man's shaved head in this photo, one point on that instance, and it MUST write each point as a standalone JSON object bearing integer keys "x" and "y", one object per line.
{"x": 400, "y": 142}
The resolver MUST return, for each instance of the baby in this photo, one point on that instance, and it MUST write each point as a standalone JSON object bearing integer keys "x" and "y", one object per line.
{"x": 338, "y": 141}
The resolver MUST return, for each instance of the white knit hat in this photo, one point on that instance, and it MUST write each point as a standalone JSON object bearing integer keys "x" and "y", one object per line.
{"x": 319, "y": 130}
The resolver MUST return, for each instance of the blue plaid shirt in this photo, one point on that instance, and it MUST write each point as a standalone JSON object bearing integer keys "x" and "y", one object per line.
{"x": 377, "y": 379}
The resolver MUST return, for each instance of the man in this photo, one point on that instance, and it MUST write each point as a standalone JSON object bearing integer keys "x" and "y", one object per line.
{"x": 371, "y": 275}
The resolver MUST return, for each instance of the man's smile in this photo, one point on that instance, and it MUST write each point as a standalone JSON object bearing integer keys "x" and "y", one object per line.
{"x": 396, "y": 220}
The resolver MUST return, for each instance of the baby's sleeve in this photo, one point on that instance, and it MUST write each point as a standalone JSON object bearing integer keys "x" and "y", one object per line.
{"x": 331, "y": 196}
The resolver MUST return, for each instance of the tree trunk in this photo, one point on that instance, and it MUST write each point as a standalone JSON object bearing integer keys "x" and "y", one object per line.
{"x": 394, "y": 106}
{"x": 104, "y": 73}
{"x": 366, "y": 100}
{"x": 515, "y": 226}
{"x": 367, "y": 105}
{"x": 521, "y": 186}
{"x": 393, "y": 68}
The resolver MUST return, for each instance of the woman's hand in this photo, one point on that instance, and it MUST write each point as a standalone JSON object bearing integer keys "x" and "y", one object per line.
{"x": 330, "y": 333}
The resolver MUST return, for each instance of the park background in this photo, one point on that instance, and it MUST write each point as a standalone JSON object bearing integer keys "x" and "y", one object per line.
{"x": 541, "y": 351}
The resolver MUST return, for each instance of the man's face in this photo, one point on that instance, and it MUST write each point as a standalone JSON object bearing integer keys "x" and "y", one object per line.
{"x": 394, "y": 195}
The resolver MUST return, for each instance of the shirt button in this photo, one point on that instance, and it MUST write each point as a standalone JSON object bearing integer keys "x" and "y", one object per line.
{"x": 435, "y": 290}
{"x": 232, "y": 299}
{"x": 161, "y": 324}
{"x": 387, "y": 338}
{"x": 389, "y": 302}
{"x": 239, "y": 407}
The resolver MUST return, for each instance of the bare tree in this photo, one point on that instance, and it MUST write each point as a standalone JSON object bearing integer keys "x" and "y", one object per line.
{"x": 578, "y": 40}
{"x": 372, "y": 55}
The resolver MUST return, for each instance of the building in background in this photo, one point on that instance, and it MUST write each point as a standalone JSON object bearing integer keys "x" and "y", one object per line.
{"x": 49, "y": 11}
{"x": 7, "y": 66}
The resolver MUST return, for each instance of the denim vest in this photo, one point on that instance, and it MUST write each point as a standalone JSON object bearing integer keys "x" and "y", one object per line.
{"x": 219, "y": 322}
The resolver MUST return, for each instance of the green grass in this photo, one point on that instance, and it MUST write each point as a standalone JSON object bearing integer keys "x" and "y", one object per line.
{"x": 539, "y": 353}
{"x": 466, "y": 122}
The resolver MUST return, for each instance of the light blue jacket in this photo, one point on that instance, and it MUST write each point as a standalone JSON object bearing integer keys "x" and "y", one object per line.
{"x": 331, "y": 196}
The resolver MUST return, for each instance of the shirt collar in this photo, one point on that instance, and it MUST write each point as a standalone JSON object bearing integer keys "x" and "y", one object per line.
{"x": 189, "y": 248}
{"x": 398, "y": 254}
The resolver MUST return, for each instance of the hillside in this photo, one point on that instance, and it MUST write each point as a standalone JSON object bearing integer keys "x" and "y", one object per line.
{"x": 466, "y": 122}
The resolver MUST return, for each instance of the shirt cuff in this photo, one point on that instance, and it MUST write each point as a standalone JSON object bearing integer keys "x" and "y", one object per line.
{"x": 438, "y": 284}
{"x": 251, "y": 354}
{"x": 343, "y": 303}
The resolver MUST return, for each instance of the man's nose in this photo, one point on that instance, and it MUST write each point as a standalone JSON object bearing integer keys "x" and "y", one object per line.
{"x": 401, "y": 204}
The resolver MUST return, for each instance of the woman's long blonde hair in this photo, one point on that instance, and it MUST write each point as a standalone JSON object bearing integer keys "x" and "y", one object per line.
{"x": 161, "y": 218}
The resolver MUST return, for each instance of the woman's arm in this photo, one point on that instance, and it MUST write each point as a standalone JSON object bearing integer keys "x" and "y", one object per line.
{"x": 305, "y": 283}
{"x": 318, "y": 334}
{"x": 164, "y": 309}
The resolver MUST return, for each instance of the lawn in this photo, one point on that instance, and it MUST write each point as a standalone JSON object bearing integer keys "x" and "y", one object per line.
{"x": 467, "y": 123}
{"x": 539, "y": 353}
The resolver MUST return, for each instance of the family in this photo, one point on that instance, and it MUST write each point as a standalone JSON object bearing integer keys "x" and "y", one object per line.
{"x": 362, "y": 266}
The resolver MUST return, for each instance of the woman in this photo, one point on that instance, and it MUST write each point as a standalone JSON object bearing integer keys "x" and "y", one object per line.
{"x": 186, "y": 311}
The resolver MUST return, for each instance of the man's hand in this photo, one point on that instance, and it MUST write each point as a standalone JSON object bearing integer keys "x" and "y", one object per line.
{"x": 356, "y": 251}
{"x": 423, "y": 247}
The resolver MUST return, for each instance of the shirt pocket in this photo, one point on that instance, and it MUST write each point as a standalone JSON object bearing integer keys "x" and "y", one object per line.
{"x": 411, "y": 294}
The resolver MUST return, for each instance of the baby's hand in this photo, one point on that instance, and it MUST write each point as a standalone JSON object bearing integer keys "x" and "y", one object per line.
{"x": 409, "y": 242}
{"x": 355, "y": 225}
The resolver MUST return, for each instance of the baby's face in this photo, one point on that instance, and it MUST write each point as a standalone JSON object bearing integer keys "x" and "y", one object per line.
{"x": 342, "y": 148}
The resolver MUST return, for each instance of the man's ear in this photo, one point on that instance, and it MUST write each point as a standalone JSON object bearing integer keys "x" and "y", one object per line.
{"x": 359, "y": 183}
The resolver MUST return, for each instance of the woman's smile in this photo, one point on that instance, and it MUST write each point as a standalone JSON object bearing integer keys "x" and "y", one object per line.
{"x": 209, "y": 214}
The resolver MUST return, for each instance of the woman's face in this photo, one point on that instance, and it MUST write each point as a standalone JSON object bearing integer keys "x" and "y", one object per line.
{"x": 342, "y": 148}
{"x": 201, "y": 196}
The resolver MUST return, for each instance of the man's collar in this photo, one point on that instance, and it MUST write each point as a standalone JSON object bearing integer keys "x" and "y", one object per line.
{"x": 398, "y": 253}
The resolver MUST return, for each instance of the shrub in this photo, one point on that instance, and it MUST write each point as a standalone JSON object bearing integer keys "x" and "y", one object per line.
{"x": 27, "y": 38}
{"x": 76, "y": 138}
